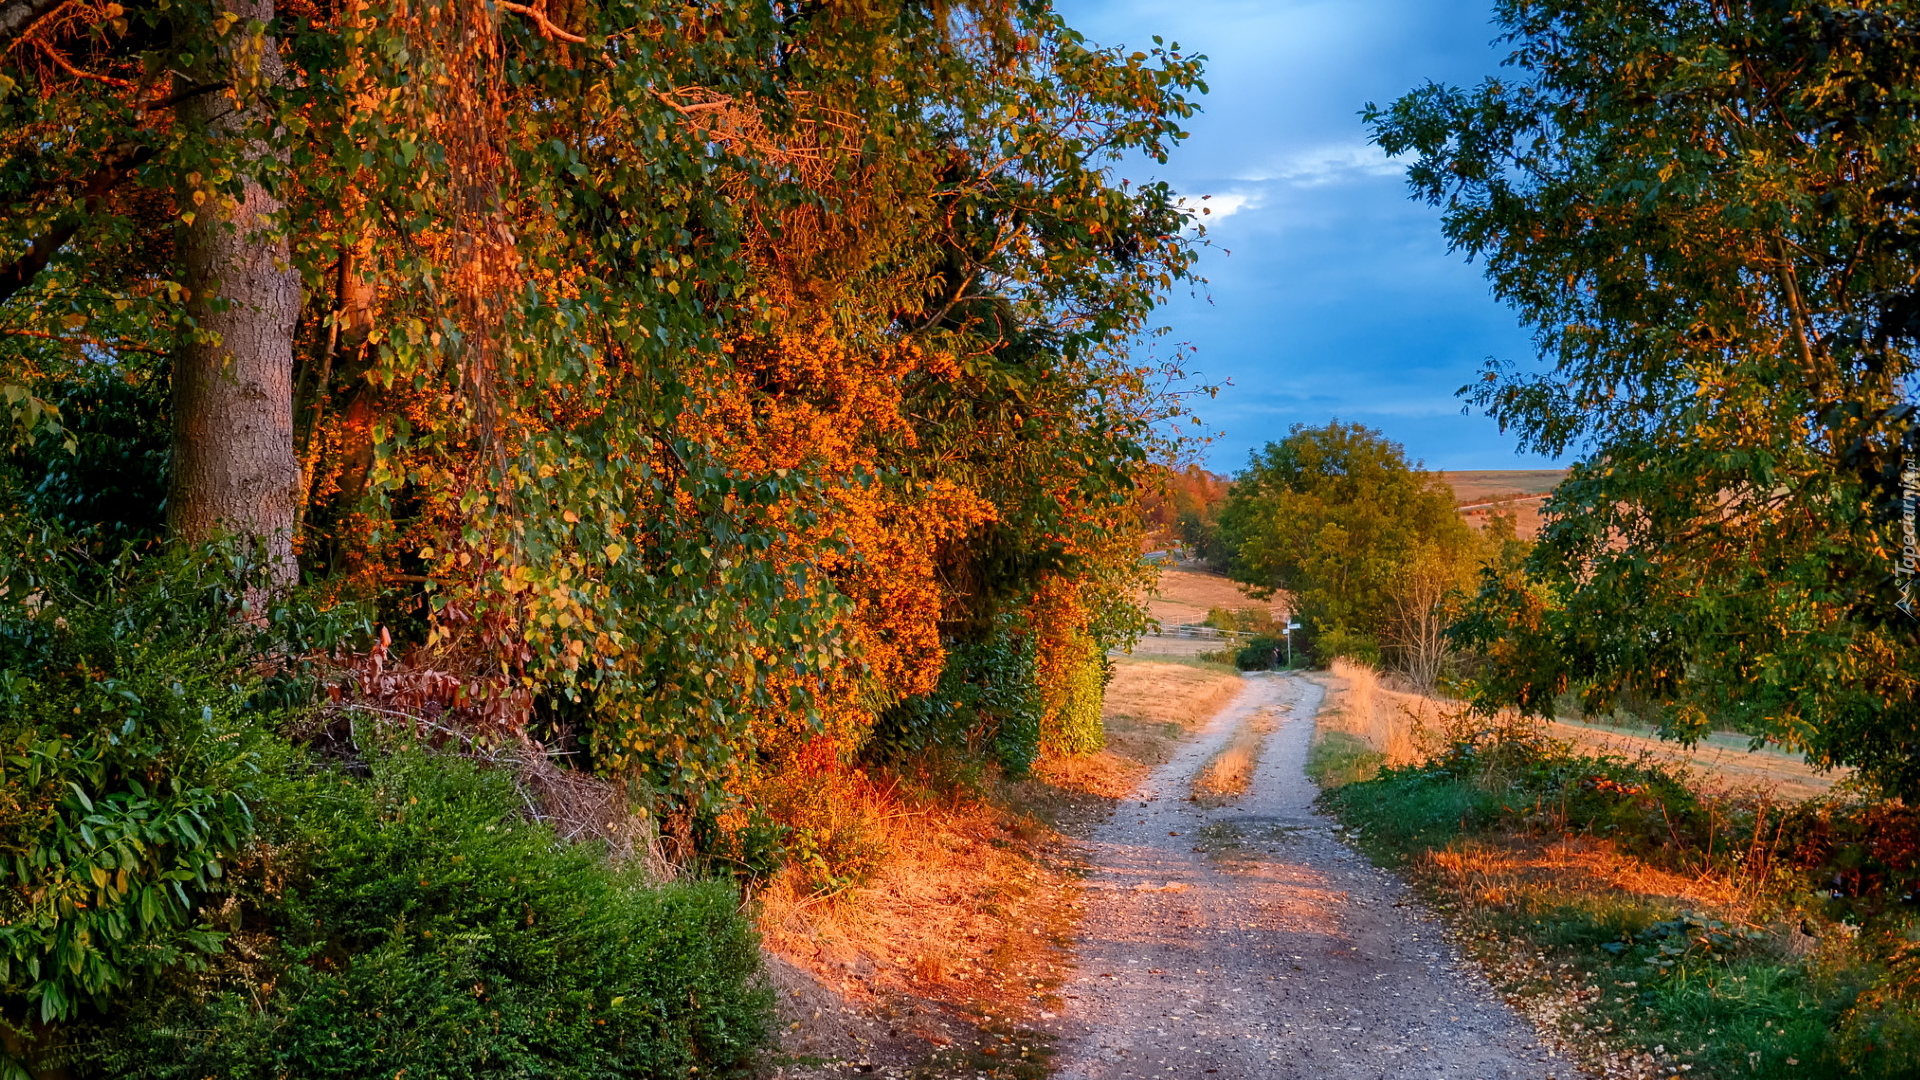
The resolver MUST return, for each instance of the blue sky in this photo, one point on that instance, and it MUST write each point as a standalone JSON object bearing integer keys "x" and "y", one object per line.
{"x": 1331, "y": 293}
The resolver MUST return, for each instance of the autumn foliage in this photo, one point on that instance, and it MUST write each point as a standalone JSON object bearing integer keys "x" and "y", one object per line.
{"x": 694, "y": 407}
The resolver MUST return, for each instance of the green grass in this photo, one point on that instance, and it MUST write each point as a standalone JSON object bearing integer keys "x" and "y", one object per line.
{"x": 1337, "y": 759}
{"x": 1727, "y": 1000}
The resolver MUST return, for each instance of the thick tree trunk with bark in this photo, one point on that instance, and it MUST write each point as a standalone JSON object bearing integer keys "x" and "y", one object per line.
{"x": 234, "y": 469}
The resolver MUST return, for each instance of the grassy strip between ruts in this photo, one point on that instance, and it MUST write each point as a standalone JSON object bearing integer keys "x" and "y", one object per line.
{"x": 1657, "y": 933}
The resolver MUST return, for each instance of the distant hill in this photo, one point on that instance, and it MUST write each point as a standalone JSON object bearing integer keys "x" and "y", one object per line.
{"x": 1518, "y": 491}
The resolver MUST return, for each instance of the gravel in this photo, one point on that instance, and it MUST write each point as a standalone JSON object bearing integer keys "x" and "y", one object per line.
{"x": 1248, "y": 941}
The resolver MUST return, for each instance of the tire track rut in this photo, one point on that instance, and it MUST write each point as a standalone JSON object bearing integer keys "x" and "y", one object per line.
{"x": 1282, "y": 954}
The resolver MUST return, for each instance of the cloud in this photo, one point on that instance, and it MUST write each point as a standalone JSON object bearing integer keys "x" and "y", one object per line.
{"x": 1331, "y": 164}
{"x": 1223, "y": 204}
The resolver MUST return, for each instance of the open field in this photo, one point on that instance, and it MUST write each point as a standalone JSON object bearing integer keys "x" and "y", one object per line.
{"x": 1722, "y": 760}
{"x": 1488, "y": 485}
{"x": 1186, "y": 593}
{"x": 1406, "y": 727}
{"x": 1519, "y": 492}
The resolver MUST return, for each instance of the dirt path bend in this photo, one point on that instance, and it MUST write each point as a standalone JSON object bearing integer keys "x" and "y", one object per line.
{"x": 1247, "y": 941}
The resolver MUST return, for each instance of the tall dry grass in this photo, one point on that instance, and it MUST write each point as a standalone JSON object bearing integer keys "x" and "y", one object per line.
{"x": 1404, "y": 727}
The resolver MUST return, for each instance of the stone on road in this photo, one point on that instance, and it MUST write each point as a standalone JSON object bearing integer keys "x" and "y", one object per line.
{"x": 1283, "y": 954}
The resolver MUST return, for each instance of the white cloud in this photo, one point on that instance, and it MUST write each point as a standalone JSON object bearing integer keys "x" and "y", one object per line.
{"x": 1331, "y": 164}
{"x": 1225, "y": 204}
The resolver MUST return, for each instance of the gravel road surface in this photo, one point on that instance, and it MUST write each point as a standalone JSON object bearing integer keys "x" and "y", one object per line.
{"x": 1248, "y": 941}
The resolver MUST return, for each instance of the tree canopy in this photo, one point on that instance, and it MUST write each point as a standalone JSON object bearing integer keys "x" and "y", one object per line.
{"x": 1707, "y": 214}
{"x": 1342, "y": 522}
{"x": 723, "y": 390}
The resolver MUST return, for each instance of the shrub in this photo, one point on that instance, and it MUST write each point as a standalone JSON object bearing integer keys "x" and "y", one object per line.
{"x": 1262, "y": 653}
{"x": 988, "y": 701}
{"x": 416, "y": 923}
{"x": 1076, "y": 727}
{"x": 130, "y": 753}
{"x": 1247, "y": 619}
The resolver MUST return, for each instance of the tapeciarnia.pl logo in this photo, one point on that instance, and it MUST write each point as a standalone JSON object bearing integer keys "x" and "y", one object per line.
{"x": 1907, "y": 570}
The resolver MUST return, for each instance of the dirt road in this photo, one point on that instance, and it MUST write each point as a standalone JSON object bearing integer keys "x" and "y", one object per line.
{"x": 1248, "y": 941}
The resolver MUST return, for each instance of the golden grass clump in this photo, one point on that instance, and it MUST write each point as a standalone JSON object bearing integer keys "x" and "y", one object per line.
{"x": 1153, "y": 705}
{"x": 1230, "y": 772}
{"x": 964, "y": 906}
{"x": 1404, "y": 727}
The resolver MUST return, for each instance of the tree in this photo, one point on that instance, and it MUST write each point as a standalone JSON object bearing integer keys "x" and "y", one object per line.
{"x": 656, "y": 371}
{"x": 1706, "y": 212}
{"x": 1364, "y": 544}
{"x": 233, "y": 463}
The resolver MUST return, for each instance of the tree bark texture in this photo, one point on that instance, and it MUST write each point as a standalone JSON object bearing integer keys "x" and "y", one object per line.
{"x": 234, "y": 468}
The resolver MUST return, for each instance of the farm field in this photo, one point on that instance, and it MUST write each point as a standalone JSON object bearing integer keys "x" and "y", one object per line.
{"x": 1516, "y": 491}
{"x": 1722, "y": 760}
{"x": 1184, "y": 594}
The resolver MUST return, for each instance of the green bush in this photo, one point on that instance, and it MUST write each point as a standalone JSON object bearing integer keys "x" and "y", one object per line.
{"x": 416, "y": 923}
{"x": 1263, "y": 653}
{"x": 1247, "y": 620}
{"x": 129, "y": 761}
{"x": 988, "y": 702}
{"x": 1077, "y": 726}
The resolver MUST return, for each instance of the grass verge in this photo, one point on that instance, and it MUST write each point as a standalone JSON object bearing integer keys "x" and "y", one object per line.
{"x": 1655, "y": 932}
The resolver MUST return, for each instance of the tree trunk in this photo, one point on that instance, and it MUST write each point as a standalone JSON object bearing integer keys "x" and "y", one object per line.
{"x": 234, "y": 469}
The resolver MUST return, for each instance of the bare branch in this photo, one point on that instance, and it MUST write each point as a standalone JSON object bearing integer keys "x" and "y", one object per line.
{"x": 60, "y": 61}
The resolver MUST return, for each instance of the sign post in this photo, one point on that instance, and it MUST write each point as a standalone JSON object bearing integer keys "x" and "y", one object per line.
{"x": 1287, "y": 632}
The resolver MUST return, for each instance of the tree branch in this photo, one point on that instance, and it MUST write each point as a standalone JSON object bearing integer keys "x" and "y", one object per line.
{"x": 19, "y": 16}
{"x": 119, "y": 161}
{"x": 66, "y": 65}
{"x": 70, "y": 339}
{"x": 538, "y": 13}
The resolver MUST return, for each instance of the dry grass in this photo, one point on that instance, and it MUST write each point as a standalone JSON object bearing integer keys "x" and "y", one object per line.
{"x": 1185, "y": 594}
{"x": 1152, "y": 705}
{"x": 967, "y": 916}
{"x": 1229, "y": 773}
{"x": 1719, "y": 762}
{"x": 1517, "y": 491}
{"x": 966, "y": 907}
{"x": 1403, "y": 727}
{"x": 1507, "y": 871}
{"x": 1407, "y": 728}
{"x": 1487, "y": 485}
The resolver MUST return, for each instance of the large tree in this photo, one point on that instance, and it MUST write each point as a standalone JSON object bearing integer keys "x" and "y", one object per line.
{"x": 1365, "y": 544}
{"x": 1707, "y": 213}
{"x": 645, "y": 357}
